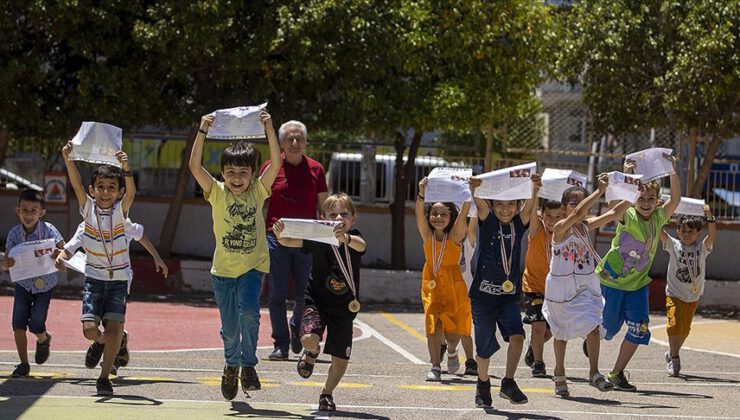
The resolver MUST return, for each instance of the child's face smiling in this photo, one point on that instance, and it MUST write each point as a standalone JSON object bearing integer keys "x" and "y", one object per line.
{"x": 505, "y": 210}
{"x": 646, "y": 203}
{"x": 339, "y": 213}
{"x": 687, "y": 235}
{"x": 29, "y": 212}
{"x": 439, "y": 216}
{"x": 552, "y": 216}
{"x": 106, "y": 192}
{"x": 237, "y": 178}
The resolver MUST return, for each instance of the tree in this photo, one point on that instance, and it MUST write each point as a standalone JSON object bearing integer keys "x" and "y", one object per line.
{"x": 661, "y": 63}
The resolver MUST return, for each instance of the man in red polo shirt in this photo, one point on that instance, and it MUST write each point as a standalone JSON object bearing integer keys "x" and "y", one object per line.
{"x": 298, "y": 192}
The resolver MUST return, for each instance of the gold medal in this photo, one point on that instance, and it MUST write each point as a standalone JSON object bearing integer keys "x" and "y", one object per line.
{"x": 39, "y": 283}
{"x": 694, "y": 288}
{"x": 354, "y": 306}
{"x": 507, "y": 286}
{"x": 431, "y": 284}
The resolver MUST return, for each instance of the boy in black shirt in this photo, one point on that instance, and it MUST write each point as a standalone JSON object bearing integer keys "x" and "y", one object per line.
{"x": 331, "y": 294}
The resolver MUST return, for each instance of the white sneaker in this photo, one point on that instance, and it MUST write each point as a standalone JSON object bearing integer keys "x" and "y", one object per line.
{"x": 434, "y": 375}
{"x": 673, "y": 364}
{"x": 453, "y": 363}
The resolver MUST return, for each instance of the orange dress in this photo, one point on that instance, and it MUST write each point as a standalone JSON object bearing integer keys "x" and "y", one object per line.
{"x": 448, "y": 302}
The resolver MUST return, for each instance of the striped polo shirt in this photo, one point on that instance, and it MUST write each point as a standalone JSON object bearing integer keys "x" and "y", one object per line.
{"x": 105, "y": 242}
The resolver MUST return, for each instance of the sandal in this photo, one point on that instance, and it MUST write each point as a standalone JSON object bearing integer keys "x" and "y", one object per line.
{"x": 326, "y": 403}
{"x": 599, "y": 382}
{"x": 561, "y": 390}
{"x": 304, "y": 368}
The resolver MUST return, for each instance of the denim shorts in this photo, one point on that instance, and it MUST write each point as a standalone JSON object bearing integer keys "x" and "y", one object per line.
{"x": 486, "y": 317}
{"x": 30, "y": 310}
{"x": 104, "y": 299}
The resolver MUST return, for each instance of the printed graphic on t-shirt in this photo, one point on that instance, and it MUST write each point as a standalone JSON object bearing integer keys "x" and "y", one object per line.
{"x": 682, "y": 272}
{"x": 240, "y": 238}
{"x": 336, "y": 285}
{"x": 633, "y": 254}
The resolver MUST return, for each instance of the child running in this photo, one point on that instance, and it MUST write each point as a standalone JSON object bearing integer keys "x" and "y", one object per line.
{"x": 573, "y": 303}
{"x": 240, "y": 257}
{"x": 32, "y": 296}
{"x": 443, "y": 291}
{"x": 686, "y": 276}
{"x": 496, "y": 289}
{"x": 108, "y": 268}
{"x": 536, "y": 267}
{"x": 332, "y": 298}
{"x": 624, "y": 270}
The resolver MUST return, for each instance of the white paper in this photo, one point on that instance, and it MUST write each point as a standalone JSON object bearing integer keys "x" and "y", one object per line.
{"x": 689, "y": 206}
{"x": 77, "y": 262}
{"x": 32, "y": 259}
{"x": 312, "y": 230}
{"x": 97, "y": 143}
{"x": 651, "y": 164}
{"x": 237, "y": 123}
{"x": 623, "y": 187}
{"x": 512, "y": 183}
{"x": 448, "y": 185}
{"x": 556, "y": 181}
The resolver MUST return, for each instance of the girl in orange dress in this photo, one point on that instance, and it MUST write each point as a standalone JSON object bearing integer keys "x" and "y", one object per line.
{"x": 443, "y": 290}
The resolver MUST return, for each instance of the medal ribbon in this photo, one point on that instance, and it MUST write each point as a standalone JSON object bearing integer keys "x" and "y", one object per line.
{"x": 437, "y": 260}
{"x": 346, "y": 268}
{"x": 108, "y": 256}
{"x": 506, "y": 259}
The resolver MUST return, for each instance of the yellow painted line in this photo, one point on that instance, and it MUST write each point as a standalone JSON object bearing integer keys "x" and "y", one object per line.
{"x": 38, "y": 375}
{"x": 146, "y": 378}
{"x": 216, "y": 381}
{"x": 321, "y": 385}
{"x": 470, "y": 388}
{"x": 397, "y": 322}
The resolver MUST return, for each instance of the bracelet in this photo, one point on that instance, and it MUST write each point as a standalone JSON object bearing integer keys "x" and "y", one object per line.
{"x": 419, "y": 197}
{"x": 128, "y": 173}
{"x": 349, "y": 239}
{"x": 712, "y": 220}
{"x": 202, "y": 131}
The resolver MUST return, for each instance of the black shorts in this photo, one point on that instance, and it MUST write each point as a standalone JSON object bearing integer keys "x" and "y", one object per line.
{"x": 533, "y": 308}
{"x": 338, "y": 330}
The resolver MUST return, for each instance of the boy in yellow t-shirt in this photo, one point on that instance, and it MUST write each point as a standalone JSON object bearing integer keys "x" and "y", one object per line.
{"x": 241, "y": 255}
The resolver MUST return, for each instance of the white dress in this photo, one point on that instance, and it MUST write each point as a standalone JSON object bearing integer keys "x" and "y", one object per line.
{"x": 573, "y": 303}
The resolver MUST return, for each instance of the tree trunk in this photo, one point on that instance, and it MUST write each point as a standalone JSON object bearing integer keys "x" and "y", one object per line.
{"x": 169, "y": 228}
{"x": 698, "y": 186}
{"x": 403, "y": 173}
{"x": 4, "y": 141}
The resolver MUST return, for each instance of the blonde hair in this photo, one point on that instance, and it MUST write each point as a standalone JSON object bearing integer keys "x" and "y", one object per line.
{"x": 341, "y": 199}
{"x": 651, "y": 186}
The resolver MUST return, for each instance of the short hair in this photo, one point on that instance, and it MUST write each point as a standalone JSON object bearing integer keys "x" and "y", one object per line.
{"x": 240, "y": 153}
{"x": 290, "y": 124}
{"x": 651, "y": 186}
{"x": 546, "y": 204}
{"x": 34, "y": 196}
{"x": 454, "y": 212}
{"x": 567, "y": 194}
{"x": 342, "y": 199}
{"x": 107, "y": 172}
{"x": 691, "y": 222}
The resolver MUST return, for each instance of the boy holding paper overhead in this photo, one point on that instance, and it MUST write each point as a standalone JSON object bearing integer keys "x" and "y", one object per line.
{"x": 240, "y": 257}
{"x": 623, "y": 271}
{"x": 496, "y": 289}
{"x": 32, "y": 296}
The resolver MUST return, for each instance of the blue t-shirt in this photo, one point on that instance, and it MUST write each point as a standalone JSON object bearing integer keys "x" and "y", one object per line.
{"x": 490, "y": 274}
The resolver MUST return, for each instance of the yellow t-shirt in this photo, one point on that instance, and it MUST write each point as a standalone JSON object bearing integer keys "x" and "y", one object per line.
{"x": 241, "y": 242}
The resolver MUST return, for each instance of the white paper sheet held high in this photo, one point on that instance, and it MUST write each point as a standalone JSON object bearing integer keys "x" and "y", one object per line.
{"x": 688, "y": 206}
{"x": 651, "y": 164}
{"x": 448, "y": 185}
{"x": 97, "y": 143}
{"x": 623, "y": 187}
{"x": 507, "y": 184}
{"x": 313, "y": 230}
{"x": 32, "y": 259}
{"x": 237, "y": 123}
{"x": 556, "y": 181}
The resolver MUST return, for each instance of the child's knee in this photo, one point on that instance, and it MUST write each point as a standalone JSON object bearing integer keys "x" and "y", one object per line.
{"x": 516, "y": 339}
{"x": 339, "y": 362}
{"x": 90, "y": 330}
{"x": 539, "y": 328}
{"x": 310, "y": 340}
{"x": 113, "y": 327}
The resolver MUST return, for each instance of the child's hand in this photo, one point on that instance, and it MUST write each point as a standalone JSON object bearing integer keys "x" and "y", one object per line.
{"x": 206, "y": 121}
{"x": 423, "y": 186}
{"x": 707, "y": 211}
{"x": 66, "y": 150}
{"x": 266, "y": 120}
{"x": 6, "y": 263}
{"x": 340, "y": 234}
{"x": 536, "y": 181}
{"x": 474, "y": 183}
{"x": 603, "y": 182}
{"x": 277, "y": 228}
{"x": 671, "y": 158}
{"x": 59, "y": 260}
{"x": 629, "y": 166}
{"x": 123, "y": 158}
{"x": 160, "y": 265}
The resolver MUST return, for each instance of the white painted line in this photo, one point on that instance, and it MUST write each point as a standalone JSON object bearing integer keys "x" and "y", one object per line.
{"x": 719, "y": 353}
{"x": 413, "y": 359}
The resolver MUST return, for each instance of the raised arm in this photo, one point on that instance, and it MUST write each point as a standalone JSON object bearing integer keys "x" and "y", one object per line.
{"x": 74, "y": 175}
{"x": 615, "y": 213}
{"x": 473, "y": 231}
{"x": 277, "y": 229}
{"x": 269, "y": 174}
{"x": 480, "y": 203}
{"x": 195, "y": 164}
{"x": 128, "y": 197}
{"x": 530, "y": 206}
{"x": 711, "y": 228}
{"x": 421, "y": 220}
{"x": 460, "y": 229}
{"x": 671, "y": 204}
{"x": 581, "y": 212}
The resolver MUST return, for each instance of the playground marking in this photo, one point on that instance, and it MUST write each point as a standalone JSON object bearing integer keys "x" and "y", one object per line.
{"x": 397, "y": 322}
{"x": 720, "y": 353}
{"x": 321, "y": 385}
{"x": 403, "y": 352}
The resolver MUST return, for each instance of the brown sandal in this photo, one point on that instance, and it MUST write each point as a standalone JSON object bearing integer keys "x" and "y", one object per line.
{"x": 305, "y": 368}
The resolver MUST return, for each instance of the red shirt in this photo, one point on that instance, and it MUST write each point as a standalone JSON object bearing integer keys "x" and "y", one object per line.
{"x": 295, "y": 190}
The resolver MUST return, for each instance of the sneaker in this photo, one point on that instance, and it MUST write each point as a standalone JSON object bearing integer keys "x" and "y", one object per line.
{"x": 123, "y": 357}
{"x": 620, "y": 382}
{"x": 510, "y": 391}
{"x": 538, "y": 370}
{"x": 93, "y": 355}
{"x": 483, "y": 397}
{"x": 585, "y": 348}
{"x": 295, "y": 341}
{"x": 230, "y": 382}
{"x": 104, "y": 387}
{"x": 279, "y": 354}
{"x": 673, "y": 364}
{"x": 250, "y": 380}
{"x": 453, "y": 363}
{"x": 529, "y": 357}
{"x": 434, "y": 375}
{"x": 21, "y": 371}
{"x": 471, "y": 367}
{"x": 42, "y": 350}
